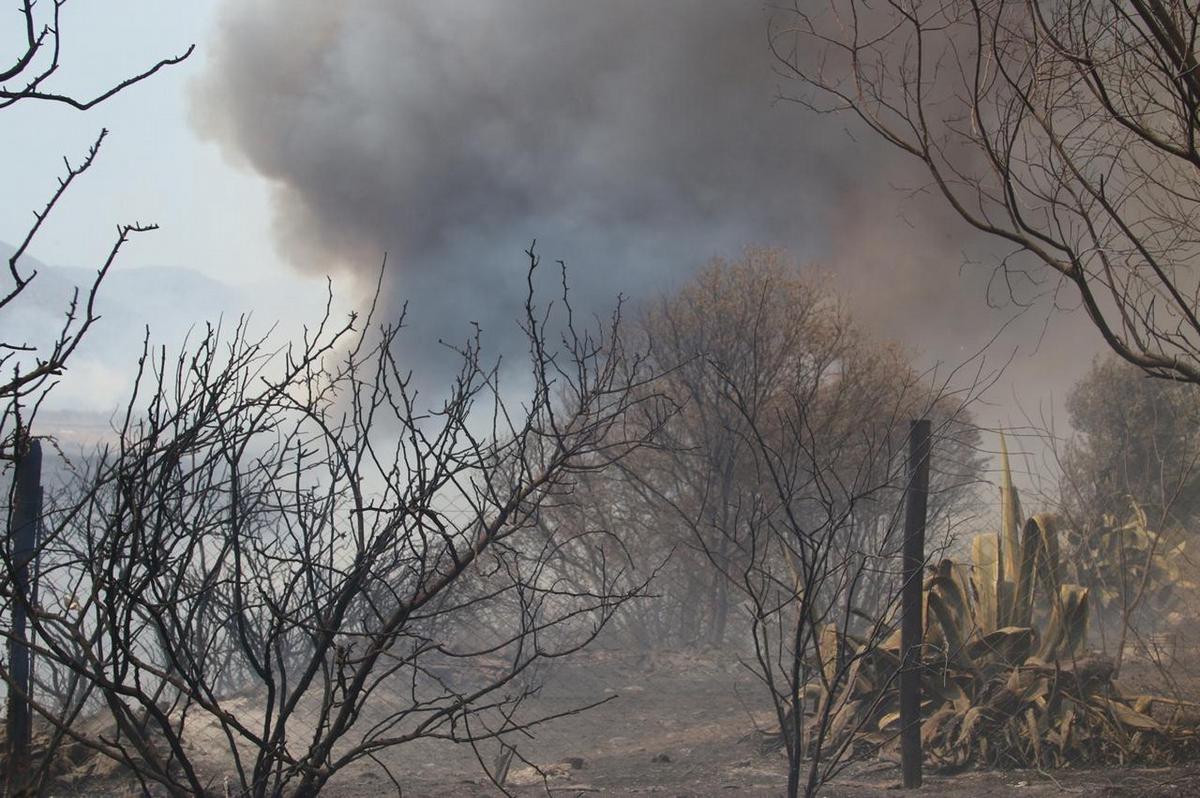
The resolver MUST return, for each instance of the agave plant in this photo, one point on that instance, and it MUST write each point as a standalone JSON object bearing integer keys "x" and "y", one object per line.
{"x": 1007, "y": 680}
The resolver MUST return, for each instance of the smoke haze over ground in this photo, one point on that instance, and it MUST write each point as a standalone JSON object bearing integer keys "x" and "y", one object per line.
{"x": 634, "y": 140}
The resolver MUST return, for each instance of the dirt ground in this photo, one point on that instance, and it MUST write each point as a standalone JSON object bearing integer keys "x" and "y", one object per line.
{"x": 679, "y": 725}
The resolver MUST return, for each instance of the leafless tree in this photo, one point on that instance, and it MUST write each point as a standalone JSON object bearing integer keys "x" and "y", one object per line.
{"x": 819, "y": 545}
{"x": 769, "y": 329}
{"x": 1134, "y": 440}
{"x": 289, "y": 561}
{"x": 780, "y": 482}
{"x": 1126, "y": 488}
{"x": 1066, "y": 130}
{"x": 27, "y": 368}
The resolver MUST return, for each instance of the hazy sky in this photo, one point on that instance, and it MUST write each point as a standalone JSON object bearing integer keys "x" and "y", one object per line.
{"x": 153, "y": 168}
{"x": 634, "y": 140}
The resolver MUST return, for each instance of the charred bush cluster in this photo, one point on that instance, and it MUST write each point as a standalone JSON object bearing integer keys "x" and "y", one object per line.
{"x": 281, "y": 564}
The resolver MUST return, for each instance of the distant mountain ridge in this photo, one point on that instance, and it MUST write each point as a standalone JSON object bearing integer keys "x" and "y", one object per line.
{"x": 172, "y": 302}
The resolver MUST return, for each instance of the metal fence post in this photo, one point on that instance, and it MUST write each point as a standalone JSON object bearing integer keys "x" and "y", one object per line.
{"x": 911, "y": 626}
{"x": 22, "y": 546}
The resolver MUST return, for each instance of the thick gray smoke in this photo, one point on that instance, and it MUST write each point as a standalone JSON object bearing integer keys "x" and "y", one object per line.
{"x": 634, "y": 139}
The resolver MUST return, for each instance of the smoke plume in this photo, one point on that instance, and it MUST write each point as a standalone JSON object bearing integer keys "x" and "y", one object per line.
{"x": 633, "y": 139}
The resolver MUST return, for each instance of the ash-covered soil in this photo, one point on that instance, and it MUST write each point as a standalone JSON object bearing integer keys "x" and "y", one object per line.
{"x": 674, "y": 724}
{"x": 683, "y": 725}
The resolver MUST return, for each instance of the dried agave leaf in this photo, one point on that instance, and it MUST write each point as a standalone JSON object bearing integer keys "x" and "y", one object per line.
{"x": 1066, "y": 631}
{"x": 1010, "y": 532}
{"x": 829, "y": 650}
{"x": 1023, "y": 577}
{"x": 1049, "y": 559}
{"x": 969, "y": 728}
{"x": 998, "y": 692}
{"x": 888, "y": 719}
{"x": 985, "y": 554}
{"x": 844, "y": 719}
{"x": 951, "y": 585}
{"x": 952, "y": 638}
{"x": 1034, "y": 735}
{"x": 935, "y": 725}
{"x": 1067, "y": 717}
{"x": 944, "y": 689}
{"x": 1006, "y": 647}
{"x": 1130, "y": 717}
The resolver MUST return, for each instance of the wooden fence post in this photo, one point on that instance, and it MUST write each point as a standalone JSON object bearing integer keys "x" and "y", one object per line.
{"x": 912, "y": 629}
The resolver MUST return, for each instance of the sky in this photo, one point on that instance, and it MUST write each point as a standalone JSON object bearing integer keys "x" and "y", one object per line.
{"x": 633, "y": 140}
{"x": 154, "y": 167}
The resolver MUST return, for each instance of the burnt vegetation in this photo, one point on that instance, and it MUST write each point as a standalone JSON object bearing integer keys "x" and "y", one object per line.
{"x": 286, "y": 561}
